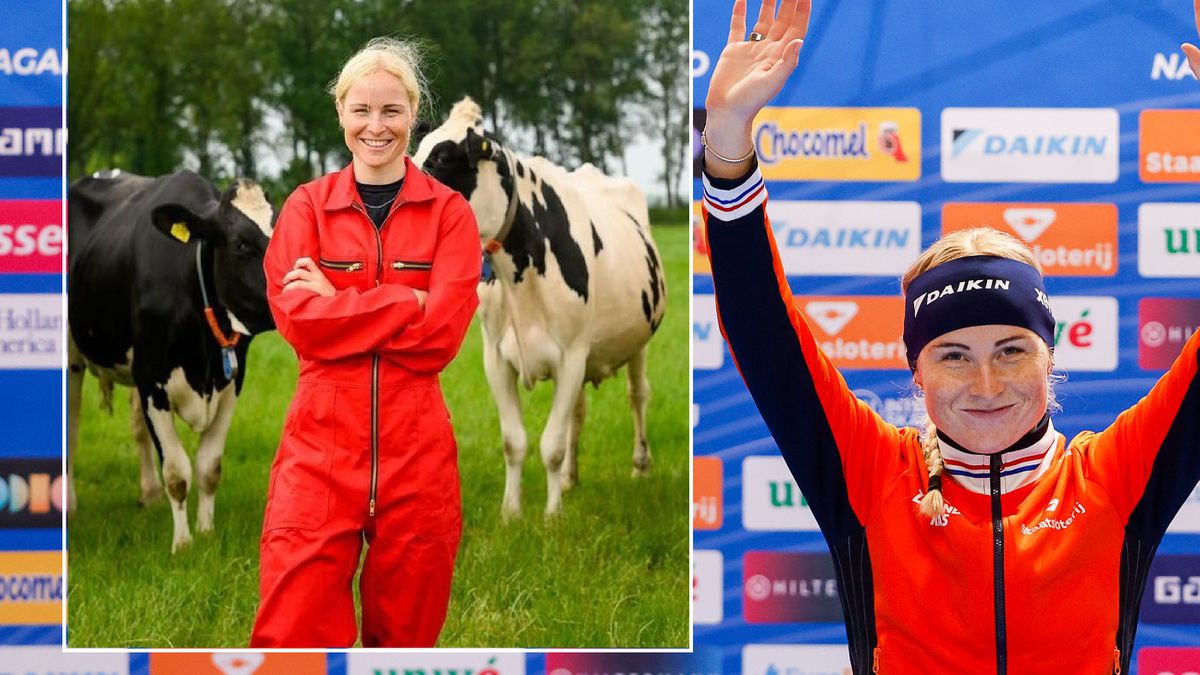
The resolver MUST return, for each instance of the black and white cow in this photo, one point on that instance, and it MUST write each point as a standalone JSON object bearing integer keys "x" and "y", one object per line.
{"x": 577, "y": 288}
{"x": 146, "y": 257}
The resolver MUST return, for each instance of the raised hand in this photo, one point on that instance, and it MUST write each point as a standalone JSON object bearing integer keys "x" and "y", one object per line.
{"x": 1190, "y": 50}
{"x": 749, "y": 73}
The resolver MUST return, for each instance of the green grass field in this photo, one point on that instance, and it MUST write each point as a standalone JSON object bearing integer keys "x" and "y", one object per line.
{"x": 612, "y": 572}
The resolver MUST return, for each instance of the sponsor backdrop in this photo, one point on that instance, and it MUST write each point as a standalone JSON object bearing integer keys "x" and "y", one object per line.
{"x": 905, "y": 120}
{"x": 31, "y": 348}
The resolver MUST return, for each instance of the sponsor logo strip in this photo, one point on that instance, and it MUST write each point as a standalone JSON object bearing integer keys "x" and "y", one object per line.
{"x": 31, "y": 141}
{"x": 237, "y": 663}
{"x": 479, "y": 663}
{"x": 30, "y": 587}
{"x": 1169, "y": 240}
{"x": 771, "y": 500}
{"x": 702, "y": 661}
{"x": 1164, "y": 325}
{"x": 1172, "y": 591}
{"x": 858, "y": 332}
{"x": 795, "y": 659}
{"x": 1085, "y": 333}
{"x": 1023, "y": 145}
{"x": 708, "y": 347}
{"x": 1067, "y": 239}
{"x": 706, "y": 493}
{"x": 708, "y": 587}
{"x": 846, "y": 237}
{"x": 780, "y": 587}
{"x": 1168, "y": 660}
{"x": 52, "y": 661}
{"x": 852, "y": 144}
{"x": 31, "y": 493}
{"x": 700, "y": 261}
{"x": 31, "y": 331}
{"x": 1169, "y": 146}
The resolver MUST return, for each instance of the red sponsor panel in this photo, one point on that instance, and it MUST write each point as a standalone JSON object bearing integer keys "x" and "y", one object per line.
{"x": 1067, "y": 239}
{"x": 1168, "y": 660}
{"x": 31, "y": 236}
{"x": 707, "y": 474}
{"x": 860, "y": 332}
{"x": 785, "y": 587}
{"x": 1164, "y": 325}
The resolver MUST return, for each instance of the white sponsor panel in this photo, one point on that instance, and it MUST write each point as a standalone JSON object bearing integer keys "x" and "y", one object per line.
{"x": 1027, "y": 145}
{"x": 52, "y": 661}
{"x": 31, "y": 331}
{"x": 1086, "y": 332}
{"x": 708, "y": 587}
{"x": 770, "y": 498}
{"x": 708, "y": 347}
{"x": 795, "y": 660}
{"x": 1169, "y": 240}
{"x": 417, "y": 663}
{"x": 846, "y": 237}
{"x": 1188, "y": 519}
{"x": 900, "y": 411}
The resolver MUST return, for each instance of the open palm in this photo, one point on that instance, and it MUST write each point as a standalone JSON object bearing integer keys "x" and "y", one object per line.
{"x": 750, "y": 73}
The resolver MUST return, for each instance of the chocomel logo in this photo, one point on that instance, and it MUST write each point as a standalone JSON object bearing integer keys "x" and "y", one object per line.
{"x": 31, "y": 587}
{"x": 1067, "y": 239}
{"x": 1072, "y": 145}
{"x": 862, "y": 144}
{"x": 858, "y": 332}
{"x": 1169, "y": 146}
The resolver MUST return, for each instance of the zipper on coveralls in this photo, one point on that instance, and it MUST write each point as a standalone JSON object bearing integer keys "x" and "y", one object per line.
{"x": 341, "y": 266}
{"x": 1117, "y": 661}
{"x": 875, "y": 662}
{"x": 998, "y": 567}
{"x": 405, "y": 265}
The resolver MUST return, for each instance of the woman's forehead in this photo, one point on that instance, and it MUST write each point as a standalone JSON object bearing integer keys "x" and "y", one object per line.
{"x": 983, "y": 337}
{"x": 377, "y": 88}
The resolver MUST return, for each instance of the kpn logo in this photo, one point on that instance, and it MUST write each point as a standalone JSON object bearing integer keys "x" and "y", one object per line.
{"x": 771, "y": 500}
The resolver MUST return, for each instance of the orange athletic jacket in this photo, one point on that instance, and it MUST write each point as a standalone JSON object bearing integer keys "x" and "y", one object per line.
{"x": 1038, "y": 576}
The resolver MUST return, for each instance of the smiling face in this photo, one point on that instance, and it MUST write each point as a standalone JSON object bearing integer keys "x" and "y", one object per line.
{"x": 985, "y": 386}
{"x": 376, "y": 118}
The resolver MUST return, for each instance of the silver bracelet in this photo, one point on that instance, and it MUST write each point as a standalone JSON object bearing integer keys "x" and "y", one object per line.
{"x": 727, "y": 160}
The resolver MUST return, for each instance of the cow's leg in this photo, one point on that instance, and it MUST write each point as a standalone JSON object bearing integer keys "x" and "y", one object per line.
{"x": 502, "y": 378}
{"x": 151, "y": 484}
{"x": 176, "y": 468}
{"x": 75, "y": 371}
{"x": 208, "y": 457}
{"x": 639, "y": 395}
{"x": 570, "y": 465}
{"x": 556, "y": 435}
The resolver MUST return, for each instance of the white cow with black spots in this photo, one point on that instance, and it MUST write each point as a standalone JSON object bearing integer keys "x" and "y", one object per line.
{"x": 576, "y": 288}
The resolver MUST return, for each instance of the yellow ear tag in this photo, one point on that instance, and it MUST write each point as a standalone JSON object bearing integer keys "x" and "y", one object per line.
{"x": 181, "y": 232}
{"x": 484, "y": 146}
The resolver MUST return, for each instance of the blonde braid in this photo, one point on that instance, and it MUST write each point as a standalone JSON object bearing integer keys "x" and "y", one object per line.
{"x": 933, "y": 504}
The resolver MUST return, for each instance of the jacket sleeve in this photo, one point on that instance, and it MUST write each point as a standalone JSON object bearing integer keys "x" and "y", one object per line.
{"x": 322, "y": 328}
{"x": 1149, "y": 459}
{"x": 840, "y": 452}
{"x": 430, "y": 342}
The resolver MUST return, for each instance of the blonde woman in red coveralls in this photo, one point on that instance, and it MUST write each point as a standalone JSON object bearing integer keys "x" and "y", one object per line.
{"x": 371, "y": 277}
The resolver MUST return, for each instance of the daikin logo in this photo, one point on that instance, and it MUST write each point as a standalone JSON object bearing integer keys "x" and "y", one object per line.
{"x": 1028, "y": 145}
{"x": 832, "y": 317}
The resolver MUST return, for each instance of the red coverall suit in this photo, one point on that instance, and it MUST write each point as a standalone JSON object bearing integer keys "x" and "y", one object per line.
{"x": 367, "y": 450}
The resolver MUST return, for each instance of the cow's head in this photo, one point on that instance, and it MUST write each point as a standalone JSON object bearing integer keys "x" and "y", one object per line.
{"x": 464, "y": 157}
{"x": 236, "y": 228}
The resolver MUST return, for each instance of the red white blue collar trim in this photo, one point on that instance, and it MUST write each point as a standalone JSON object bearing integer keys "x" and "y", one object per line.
{"x": 1019, "y": 467}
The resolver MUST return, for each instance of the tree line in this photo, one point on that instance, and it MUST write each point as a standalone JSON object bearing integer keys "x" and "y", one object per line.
{"x": 157, "y": 85}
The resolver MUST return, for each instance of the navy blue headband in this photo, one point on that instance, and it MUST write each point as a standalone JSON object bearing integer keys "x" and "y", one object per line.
{"x": 977, "y": 290}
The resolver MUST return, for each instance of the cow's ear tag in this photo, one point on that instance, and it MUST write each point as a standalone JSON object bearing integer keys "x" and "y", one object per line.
{"x": 229, "y": 362}
{"x": 484, "y": 146}
{"x": 181, "y": 232}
